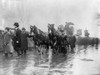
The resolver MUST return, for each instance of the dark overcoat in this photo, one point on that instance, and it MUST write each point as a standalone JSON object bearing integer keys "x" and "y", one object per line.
{"x": 17, "y": 39}
{"x": 72, "y": 41}
{"x": 24, "y": 40}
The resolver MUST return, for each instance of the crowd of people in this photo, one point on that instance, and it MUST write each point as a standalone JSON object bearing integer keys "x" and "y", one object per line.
{"x": 15, "y": 41}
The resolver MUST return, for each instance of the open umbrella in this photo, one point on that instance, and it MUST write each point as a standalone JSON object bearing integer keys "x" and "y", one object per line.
{"x": 70, "y": 23}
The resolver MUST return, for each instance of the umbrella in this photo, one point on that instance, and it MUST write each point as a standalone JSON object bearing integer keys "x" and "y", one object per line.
{"x": 70, "y": 23}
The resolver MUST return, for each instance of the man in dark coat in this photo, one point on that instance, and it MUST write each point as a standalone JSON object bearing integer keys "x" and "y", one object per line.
{"x": 96, "y": 42}
{"x": 24, "y": 41}
{"x": 72, "y": 41}
{"x": 17, "y": 39}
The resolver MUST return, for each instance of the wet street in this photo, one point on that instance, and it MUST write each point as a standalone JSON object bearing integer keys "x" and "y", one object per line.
{"x": 74, "y": 64}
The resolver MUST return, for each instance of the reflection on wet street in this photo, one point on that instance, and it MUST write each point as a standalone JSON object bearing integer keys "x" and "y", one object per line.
{"x": 74, "y": 64}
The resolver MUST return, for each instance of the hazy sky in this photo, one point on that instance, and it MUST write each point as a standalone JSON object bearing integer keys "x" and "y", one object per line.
{"x": 41, "y": 12}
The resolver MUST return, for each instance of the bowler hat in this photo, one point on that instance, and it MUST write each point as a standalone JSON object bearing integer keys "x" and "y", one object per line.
{"x": 16, "y": 24}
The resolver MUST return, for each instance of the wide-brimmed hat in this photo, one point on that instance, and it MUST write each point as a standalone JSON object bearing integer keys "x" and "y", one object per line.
{"x": 16, "y": 24}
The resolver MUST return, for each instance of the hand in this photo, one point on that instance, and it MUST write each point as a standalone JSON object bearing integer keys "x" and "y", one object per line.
{"x": 17, "y": 41}
{"x": 54, "y": 43}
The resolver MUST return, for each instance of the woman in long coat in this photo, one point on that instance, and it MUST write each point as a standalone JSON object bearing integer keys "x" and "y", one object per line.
{"x": 8, "y": 48}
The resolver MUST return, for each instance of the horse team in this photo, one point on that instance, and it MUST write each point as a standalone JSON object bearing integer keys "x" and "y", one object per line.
{"x": 60, "y": 43}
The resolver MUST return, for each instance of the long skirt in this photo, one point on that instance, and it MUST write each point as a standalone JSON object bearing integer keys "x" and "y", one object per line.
{"x": 30, "y": 42}
{"x": 8, "y": 48}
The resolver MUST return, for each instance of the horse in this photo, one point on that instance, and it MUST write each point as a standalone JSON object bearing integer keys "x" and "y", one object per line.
{"x": 56, "y": 40}
{"x": 41, "y": 40}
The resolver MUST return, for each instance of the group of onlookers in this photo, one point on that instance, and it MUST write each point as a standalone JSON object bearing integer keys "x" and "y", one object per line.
{"x": 15, "y": 41}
